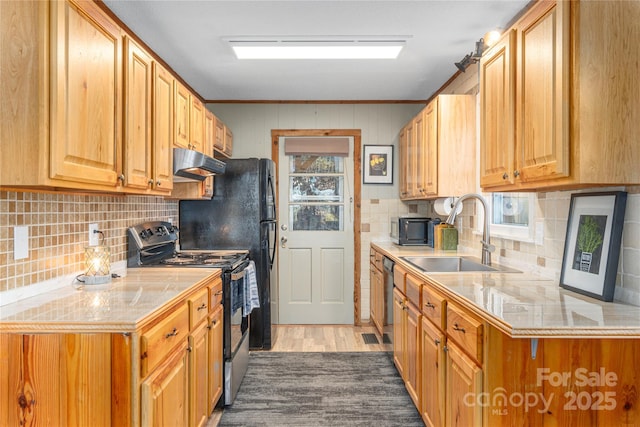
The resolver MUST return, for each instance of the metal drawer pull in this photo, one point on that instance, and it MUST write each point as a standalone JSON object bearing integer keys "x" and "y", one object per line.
{"x": 173, "y": 333}
{"x": 429, "y": 305}
{"x": 436, "y": 342}
{"x": 218, "y": 293}
{"x": 202, "y": 306}
{"x": 458, "y": 328}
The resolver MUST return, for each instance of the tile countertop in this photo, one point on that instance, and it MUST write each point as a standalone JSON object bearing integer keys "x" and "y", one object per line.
{"x": 121, "y": 306}
{"x": 523, "y": 305}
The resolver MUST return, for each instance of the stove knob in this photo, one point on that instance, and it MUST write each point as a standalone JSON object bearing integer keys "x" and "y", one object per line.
{"x": 161, "y": 231}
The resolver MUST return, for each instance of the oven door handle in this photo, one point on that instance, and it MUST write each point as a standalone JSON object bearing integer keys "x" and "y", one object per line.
{"x": 239, "y": 275}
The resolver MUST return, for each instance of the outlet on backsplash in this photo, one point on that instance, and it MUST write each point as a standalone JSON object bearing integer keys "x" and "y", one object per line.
{"x": 94, "y": 236}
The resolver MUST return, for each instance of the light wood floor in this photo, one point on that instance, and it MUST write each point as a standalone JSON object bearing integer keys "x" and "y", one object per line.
{"x": 318, "y": 338}
{"x": 325, "y": 338}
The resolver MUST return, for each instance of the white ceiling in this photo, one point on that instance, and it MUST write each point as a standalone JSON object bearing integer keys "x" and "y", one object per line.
{"x": 188, "y": 35}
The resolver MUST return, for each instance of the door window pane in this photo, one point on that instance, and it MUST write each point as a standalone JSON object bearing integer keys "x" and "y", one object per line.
{"x": 316, "y": 217}
{"x": 315, "y": 188}
{"x": 315, "y": 164}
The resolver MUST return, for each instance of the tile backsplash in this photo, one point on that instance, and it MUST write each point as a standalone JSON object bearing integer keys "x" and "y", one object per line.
{"x": 58, "y": 226}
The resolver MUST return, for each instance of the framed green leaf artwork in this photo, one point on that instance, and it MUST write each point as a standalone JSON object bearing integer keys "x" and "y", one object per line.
{"x": 592, "y": 243}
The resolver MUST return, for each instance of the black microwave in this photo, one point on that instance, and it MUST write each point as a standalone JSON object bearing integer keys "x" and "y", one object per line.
{"x": 411, "y": 230}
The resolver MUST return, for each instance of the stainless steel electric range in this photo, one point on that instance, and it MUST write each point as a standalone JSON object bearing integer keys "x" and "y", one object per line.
{"x": 155, "y": 244}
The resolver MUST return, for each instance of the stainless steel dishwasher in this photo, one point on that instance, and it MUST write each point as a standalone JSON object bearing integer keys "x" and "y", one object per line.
{"x": 387, "y": 272}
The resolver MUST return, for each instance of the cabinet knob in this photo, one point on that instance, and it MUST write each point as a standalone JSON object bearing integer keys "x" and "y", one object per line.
{"x": 436, "y": 341}
{"x": 150, "y": 182}
{"x": 158, "y": 183}
{"x": 121, "y": 177}
{"x": 516, "y": 173}
{"x": 505, "y": 175}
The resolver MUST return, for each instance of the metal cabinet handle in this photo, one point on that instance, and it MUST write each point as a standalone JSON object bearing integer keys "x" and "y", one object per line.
{"x": 516, "y": 173}
{"x": 505, "y": 175}
{"x": 218, "y": 293}
{"x": 121, "y": 177}
{"x": 173, "y": 333}
{"x": 458, "y": 328}
{"x": 150, "y": 182}
{"x": 158, "y": 183}
{"x": 429, "y": 305}
{"x": 436, "y": 341}
{"x": 202, "y": 306}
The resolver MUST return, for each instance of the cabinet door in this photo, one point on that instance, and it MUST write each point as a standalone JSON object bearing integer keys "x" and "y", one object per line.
{"x": 542, "y": 112}
{"x": 433, "y": 374}
{"x": 420, "y": 153}
{"x": 196, "y": 125}
{"x": 399, "y": 332}
{"x": 411, "y": 161}
{"x": 497, "y": 110}
{"x": 137, "y": 116}
{"x": 199, "y": 375}
{"x": 86, "y": 88}
{"x": 165, "y": 393}
{"x": 377, "y": 302}
{"x": 215, "y": 358}
{"x": 162, "y": 128}
{"x": 430, "y": 150}
{"x": 182, "y": 108}
{"x": 209, "y": 132}
{"x": 219, "y": 136}
{"x": 228, "y": 141}
{"x": 404, "y": 164}
{"x": 464, "y": 378}
{"x": 412, "y": 369}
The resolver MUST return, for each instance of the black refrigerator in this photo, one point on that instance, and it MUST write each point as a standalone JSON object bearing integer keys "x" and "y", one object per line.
{"x": 240, "y": 215}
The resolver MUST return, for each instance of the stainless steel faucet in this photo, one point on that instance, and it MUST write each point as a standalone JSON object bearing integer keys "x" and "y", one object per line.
{"x": 487, "y": 247}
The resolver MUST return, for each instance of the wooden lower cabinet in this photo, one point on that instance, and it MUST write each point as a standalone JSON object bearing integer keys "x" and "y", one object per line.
{"x": 164, "y": 394}
{"x": 199, "y": 375}
{"x": 216, "y": 366}
{"x": 44, "y": 379}
{"x": 413, "y": 354}
{"x": 399, "y": 332}
{"x": 464, "y": 385}
{"x": 433, "y": 375}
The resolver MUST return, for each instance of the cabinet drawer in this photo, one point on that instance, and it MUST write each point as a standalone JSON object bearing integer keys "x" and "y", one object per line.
{"x": 434, "y": 306}
{"x": 215, "y": 294}
{"x": 198, "y": 307}
{"x": 399, "y": 275}
{"x": 466, "y": 331}
{"x": 375, "y": 258}
{"x": 413, "y": 288}
{"x": 158, "y": 341}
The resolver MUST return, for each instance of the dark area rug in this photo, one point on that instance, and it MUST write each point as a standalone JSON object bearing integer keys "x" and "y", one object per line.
{"x": 321, "y": 389}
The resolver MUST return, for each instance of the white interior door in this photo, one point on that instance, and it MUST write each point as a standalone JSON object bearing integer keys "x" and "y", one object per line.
{"x": 316, "y": 257}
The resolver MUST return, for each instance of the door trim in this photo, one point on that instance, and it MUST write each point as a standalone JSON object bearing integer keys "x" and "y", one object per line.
{"x": 357, "y": 173}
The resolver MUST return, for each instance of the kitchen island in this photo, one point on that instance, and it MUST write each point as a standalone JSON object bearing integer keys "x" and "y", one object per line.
{"x": 134, "y": 352}
{"x": 479, "y": 348}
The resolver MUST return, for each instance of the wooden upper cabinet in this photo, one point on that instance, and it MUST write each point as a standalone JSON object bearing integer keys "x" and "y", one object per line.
{"x": 137, "y": 157}
{"x": 542, "y": 93}
{"x": 182, "y": 108}
{"x": 524, "y": 88}
{"x": 86, "y": 90}
{"x": 218, "y": 143}
{"x": 429, "y": 157}
{"x": 228, "y": 141}
{"x": 437, "y": 149}
{"x": 497, "y": 113}
{"x": 162, "y": 128}
{"x": 209, "y": 132}
{"x": 196, "y": 125}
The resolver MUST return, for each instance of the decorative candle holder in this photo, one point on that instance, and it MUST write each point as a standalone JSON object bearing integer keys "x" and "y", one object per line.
{"x": 97, "y": 260}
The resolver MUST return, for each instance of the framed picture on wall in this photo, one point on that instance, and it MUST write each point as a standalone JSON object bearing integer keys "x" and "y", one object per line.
{"x": 592, "y": 243}
{"x": 377, "y": 165}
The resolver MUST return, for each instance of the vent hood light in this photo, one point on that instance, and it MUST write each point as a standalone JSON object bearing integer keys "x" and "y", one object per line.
{"x": 195, "y": 165}
{"x": 320, "y": 48}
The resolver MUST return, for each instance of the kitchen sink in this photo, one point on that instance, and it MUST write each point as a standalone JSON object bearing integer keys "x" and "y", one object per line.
{"x": 451, "y": 264}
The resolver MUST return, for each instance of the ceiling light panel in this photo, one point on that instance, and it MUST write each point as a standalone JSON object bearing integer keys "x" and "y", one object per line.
{"x": 371, "y": 47}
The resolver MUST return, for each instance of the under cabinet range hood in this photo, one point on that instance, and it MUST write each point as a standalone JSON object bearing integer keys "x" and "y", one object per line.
{"x": 194, "y": 165}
